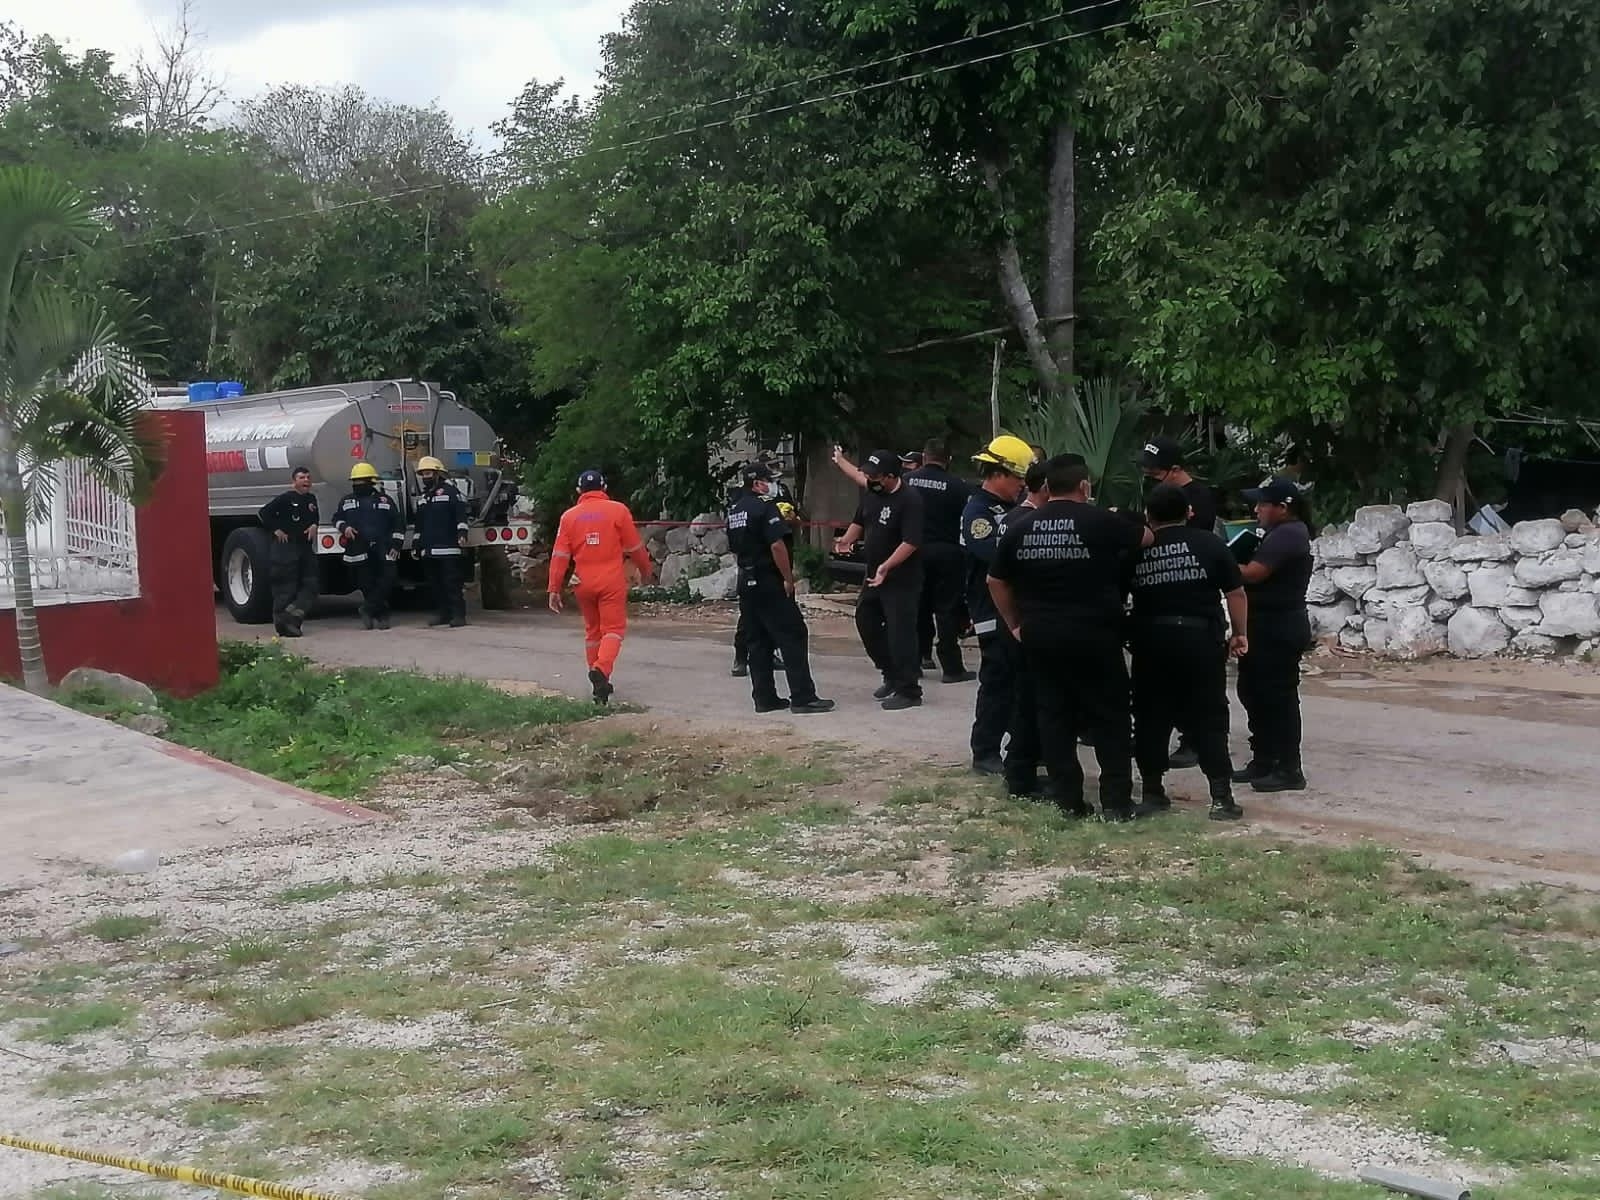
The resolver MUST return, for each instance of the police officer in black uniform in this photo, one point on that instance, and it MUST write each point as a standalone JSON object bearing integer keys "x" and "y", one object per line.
{"x": 291, "y": 519}
{"x": 369, "y": 528}
{"x": 1004, "y": 464}
{"x": 442, "y": 542}
{"x": 1181, "y": 646}
{"x": 944, "y": 567}
{"x": 1057, "y": 581}
{"x": 757, "y": 536}
{"x": 890, "y": 517}
{"x": 780, "y": 495}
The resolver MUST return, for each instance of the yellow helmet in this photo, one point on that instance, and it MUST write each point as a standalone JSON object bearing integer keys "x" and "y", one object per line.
{"x": 430, "y": 463}
{"x": 363, "y": 470}
{"x": 786, "y": 510}
{"x": 1012, "y": 453}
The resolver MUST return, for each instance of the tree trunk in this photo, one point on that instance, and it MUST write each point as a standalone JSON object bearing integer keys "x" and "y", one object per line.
{"x": 1014, "y": 288}
{"x": 14, "y": 506}
{"x": 1451, "y": 484}
{"x": 1061, "y": 253}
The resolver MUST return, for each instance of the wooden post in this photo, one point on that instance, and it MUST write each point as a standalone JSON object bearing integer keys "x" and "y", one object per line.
{"x": 994, "y": 390}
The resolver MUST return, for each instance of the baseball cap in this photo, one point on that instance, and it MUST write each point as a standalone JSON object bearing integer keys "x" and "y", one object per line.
{"x": 879, "y": 463}
{"x": 911, "y": 458}
{"x": 591, "y": 481}
{"x": 1277, "y": 490}
{"x": 757, "y": 469}
{"x": 1161, "y": 454}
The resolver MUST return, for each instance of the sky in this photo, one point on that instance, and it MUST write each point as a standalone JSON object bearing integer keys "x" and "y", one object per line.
{"x": 470, "y": 57}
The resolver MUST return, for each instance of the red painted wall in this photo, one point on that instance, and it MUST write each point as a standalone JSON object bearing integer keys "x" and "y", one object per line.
{"x": 168, "y": 636}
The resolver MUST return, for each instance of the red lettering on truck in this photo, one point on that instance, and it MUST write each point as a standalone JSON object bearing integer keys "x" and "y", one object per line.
{"x": 221, "y": 462}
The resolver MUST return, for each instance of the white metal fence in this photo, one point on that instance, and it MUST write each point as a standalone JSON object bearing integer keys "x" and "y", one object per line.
{"x": 85, "y": 550}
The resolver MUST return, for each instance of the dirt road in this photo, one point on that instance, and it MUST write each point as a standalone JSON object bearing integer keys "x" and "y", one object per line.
{"x": 1487, "y": 771}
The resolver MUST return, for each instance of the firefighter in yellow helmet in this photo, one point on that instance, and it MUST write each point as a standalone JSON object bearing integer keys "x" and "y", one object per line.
{"x": 442, "y": 541}
{"x": 1002, "y": 705}
{"x": 368, "y": 521}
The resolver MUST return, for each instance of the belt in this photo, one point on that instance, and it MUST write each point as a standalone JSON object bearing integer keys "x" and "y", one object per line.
{"x": 1208, "y": 623}
{"x": 990, "y": 626}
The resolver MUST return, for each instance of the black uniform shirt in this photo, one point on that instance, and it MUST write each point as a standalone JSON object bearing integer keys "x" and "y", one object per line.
{"x": 888, "y": 519}
{"x": 982, "y": 525}
{"x": 1286, "y": 549}
{"x": 1066, "y": 562}
{"x": 944, "y": 497}
{"x": 1183, "y": 574}
{"x": 291, "y": 513}
{"x": 754, "y": 525}
{"x": 1203, "y": 503}
{"x": 441, "y": 519}
{"x": 375, "y": 521}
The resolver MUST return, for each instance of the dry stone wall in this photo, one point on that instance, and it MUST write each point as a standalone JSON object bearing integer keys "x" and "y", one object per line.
{"x": 1401, "y": 583}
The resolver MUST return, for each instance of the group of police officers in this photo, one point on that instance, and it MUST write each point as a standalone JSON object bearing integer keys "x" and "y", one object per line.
{"x": 1055, "y": 588}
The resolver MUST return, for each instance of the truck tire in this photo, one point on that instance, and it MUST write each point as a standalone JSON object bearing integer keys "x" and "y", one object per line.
{"x": 246, "y": 582}
{"x": 494, "y": 578}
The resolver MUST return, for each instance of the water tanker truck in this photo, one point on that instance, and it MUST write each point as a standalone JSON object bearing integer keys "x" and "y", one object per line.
{"x": 253, "y": 442}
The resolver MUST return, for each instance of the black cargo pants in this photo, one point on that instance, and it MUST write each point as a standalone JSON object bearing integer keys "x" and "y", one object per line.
{"x": 1269, "y": 685}
{"x": 1080, "y": 685}
{"x": 292, "y": 571}
{"x": 886, "y": 619}
{"x": 772, "y": 621}
{"x": 1180, "y": 681}
{"x": 375, "y": 576}
{"x": 446, "y": 577}
{"x": 941, "y": 614}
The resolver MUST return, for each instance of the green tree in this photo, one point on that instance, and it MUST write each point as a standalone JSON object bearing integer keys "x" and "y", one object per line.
{"x": 69, "y": 385}
{"x": 1368, "y": 227}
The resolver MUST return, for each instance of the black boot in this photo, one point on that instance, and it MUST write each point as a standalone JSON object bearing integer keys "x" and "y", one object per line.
{"x": 1183, "y": 757}
{"x": 1256, "y": 768}
{"x": 1222, "y": 806}
{"x": 1284, "y": 777}
{"x": 1153, "y": 799}
{"x": 740, "y": 668}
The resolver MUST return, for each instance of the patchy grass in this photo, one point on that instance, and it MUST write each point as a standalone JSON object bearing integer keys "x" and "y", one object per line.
{"x": 337, "y": 731}
{"x": 64, "y": 1024}
{"x": 121, "y": 927}
{"x": 744, "y": 985}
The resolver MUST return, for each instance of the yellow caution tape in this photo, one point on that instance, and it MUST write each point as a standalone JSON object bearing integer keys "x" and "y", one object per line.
{"x": 211, "y": 1179}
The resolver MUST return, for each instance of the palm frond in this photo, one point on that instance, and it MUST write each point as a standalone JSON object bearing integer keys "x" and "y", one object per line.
{"x": 39, "y": 209}
{"x": 1099, "y": 420}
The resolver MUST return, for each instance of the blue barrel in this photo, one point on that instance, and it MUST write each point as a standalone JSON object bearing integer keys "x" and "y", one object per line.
{"x": 229, "y": 388}
{"x": 201, "y": 392}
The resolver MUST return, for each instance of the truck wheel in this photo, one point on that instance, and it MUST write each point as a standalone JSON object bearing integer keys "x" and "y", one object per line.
{"x": 494, "y": 578}
{"x": 246, "y": 585}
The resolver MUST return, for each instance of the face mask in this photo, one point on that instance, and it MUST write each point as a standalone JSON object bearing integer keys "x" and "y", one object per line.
{"x": 874, "y": 485}
{"x": 364, "y": 485}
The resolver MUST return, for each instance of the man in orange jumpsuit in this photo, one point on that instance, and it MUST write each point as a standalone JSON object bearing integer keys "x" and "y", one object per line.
{"x": 595, "y": 535}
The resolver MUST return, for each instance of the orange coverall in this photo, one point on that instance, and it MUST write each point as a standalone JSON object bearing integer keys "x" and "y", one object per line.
{"x": 595, "y": 535}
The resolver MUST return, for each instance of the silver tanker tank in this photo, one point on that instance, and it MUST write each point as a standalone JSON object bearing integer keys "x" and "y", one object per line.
{"x": 254, "y": 442}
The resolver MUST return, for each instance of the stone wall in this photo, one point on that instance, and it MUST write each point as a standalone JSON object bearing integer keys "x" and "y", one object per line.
{"x": 696, "y": 553}
{"x": 1401, "y": 583}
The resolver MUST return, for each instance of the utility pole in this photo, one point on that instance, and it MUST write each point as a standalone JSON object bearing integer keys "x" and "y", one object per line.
{"x": 994, "y": 389}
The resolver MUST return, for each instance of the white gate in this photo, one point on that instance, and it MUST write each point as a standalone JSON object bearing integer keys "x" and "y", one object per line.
{"x": 86, "y": 549}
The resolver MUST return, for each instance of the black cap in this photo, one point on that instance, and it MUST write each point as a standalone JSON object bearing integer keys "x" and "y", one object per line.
{"x": 881, "y": 462}
{"x": 911, "y": 458}
{"x": 591, "y": 481}
{"x": 758, "y": 470}
{"x": 1161, "y": 454}
{"x": 1277, "y": 490}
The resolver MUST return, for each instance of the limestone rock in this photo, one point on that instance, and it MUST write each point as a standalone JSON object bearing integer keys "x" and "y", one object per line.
{"x": 1521, "y": 616}
{"x": 1397, "y": 568}
{"x": 1554, "y": 567}
{"x": 1432, "y": 539}
{"x": 680, "y": 567}
{"x": 1575, "y": 519}
{"x": 1491, "y": 547}
{"x": 1446, "y": 578}
{"x": 715, "y": 542}
{"x": 727, "y": 560}
{"x": 1591, "y": 559}
{"x": 1413, "y": 634}
{"x": 1570, "y": 614}
{"x": 1429, "y": 511}
{"x": 1580, "y": 541}
{"x": 152, "y": 724}
{"x": 679, "y": 539}
{"x": 1335, "y": 550}
{"x": 1352, "y": 639}
{"x": 1354, "y": 582}
{"x": 1377, "y": 634}
{"x": 111, "y": 684}
{"x": 1442, "y": 609}
{"x": 1330, "y": 618}
{"x": 1320, "y": 589}
{"x": 722, "y": 584}
{"x": 704, "y": 522}
{"x": 1477, "y": 633}
{"x": 1377, "y": 527}
{"x": 1535, "y": 644}
{"x": 1385, "y": 603}
{"x": 1488, "y": 585}
{"x": 1536, "y": 537}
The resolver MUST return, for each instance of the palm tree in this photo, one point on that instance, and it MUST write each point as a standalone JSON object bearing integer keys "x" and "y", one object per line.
{"x": 70, "y": 384}
{"x": 1098, "y": 419}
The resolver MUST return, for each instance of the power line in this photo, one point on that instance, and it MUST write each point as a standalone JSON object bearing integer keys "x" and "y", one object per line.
{"x": 385, "y": 197}
{"x": 887, "y": 60}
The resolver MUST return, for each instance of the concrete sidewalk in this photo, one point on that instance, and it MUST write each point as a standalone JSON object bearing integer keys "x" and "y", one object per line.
{"x": 76, "y": 792}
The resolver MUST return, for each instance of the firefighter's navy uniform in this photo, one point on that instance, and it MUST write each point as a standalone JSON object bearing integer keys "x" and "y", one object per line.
{"x": 292, "y": 558}
{"x": 1004, "y": 714}
{"x": 441, "y": 530}
{"x": 594, "y": 537}
{"x": 767, "y": 612}
{"x": 369, "y": 526}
